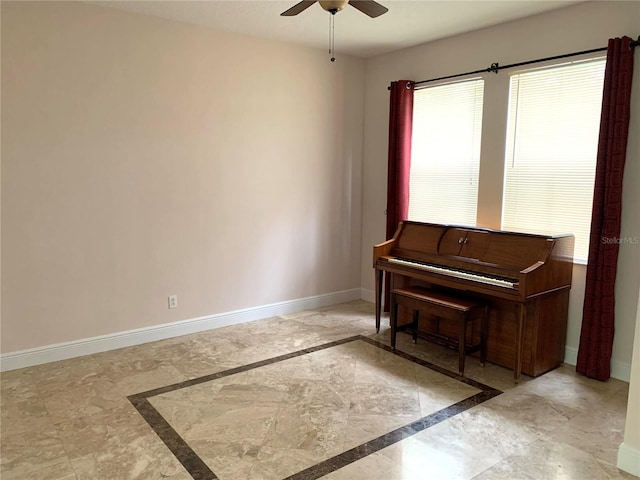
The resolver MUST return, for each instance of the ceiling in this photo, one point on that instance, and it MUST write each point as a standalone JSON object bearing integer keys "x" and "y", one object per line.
{"x": 406, "y": 24}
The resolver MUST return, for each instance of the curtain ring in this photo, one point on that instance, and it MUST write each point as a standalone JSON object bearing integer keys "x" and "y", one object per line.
{"x": 408, "y": 86}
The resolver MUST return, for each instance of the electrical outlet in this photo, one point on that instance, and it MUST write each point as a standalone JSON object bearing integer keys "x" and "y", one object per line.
{"x": 173, "y": 301}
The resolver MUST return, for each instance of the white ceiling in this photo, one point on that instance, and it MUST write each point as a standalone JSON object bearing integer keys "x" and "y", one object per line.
{"x": 406, "y": 24}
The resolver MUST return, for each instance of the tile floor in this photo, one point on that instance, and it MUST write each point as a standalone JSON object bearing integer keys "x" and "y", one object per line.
{"x": 315, "y": 394}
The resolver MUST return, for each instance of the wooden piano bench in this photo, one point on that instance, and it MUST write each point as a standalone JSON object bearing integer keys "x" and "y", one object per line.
{"x": 444, "y": 306}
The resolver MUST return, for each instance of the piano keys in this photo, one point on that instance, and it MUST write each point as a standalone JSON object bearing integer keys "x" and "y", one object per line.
{"x": 526, "y": 278}
{"x": 452, "y": 272}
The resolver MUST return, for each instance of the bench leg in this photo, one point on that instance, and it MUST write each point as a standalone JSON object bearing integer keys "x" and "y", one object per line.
{"x": 462, "y": 334}
{"x": 394, "y": 320}
{"x": 416, "y": 317}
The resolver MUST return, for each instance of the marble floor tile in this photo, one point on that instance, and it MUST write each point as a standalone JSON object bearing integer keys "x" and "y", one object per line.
{"x": 544, "y": 459}
{"x": 598, "y": 435}
{"x": 22, "y": 409}
{"x": 35, "y": 454}
{"x": 536, "y": 414}
{"x": 375, "y": 465}
{"x": 144, "y": 458}
{"x": 562, "y": 385}
{"x": 90, "y": 398}
{"x": 309, "y": 406}
{"x": 313, "y": 394}
{"x": 87, "y": 434}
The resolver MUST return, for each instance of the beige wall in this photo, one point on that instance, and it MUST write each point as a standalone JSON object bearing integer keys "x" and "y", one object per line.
{"x": 143, "y": 158}
{"x": 576, "y": 28}
{"x": 629, "y": 453}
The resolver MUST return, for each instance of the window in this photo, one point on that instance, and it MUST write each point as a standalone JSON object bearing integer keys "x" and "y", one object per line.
{"x": 551, "y": 147}
{"x": 445, "y": 158}
{"x": 548, "y": 169}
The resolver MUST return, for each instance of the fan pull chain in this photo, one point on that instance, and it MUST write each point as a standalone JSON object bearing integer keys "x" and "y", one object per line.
{"x": 332, "y": 34}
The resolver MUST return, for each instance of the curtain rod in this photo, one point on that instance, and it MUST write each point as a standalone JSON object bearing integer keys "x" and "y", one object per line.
{"x": 495, "y": 67}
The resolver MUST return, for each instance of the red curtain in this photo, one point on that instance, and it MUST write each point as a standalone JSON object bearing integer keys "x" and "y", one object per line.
{"x": 400, "y": 129}
{"x": 596, "y": 336}
{"x": 400, "y": 126}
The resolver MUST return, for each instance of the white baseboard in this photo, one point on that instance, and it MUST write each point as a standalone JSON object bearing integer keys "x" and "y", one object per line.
{"x": 629, "y": 459}
{"x": 619, "y": 370}
{"x": 103, "y": 343}
{"x": 368, "y": 295}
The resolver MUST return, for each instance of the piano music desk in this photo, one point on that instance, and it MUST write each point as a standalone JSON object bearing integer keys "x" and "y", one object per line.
{"x": 458, "y": 308}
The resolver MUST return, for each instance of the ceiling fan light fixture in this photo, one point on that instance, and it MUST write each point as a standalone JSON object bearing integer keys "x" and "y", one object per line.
{"x": 333, "y": 6}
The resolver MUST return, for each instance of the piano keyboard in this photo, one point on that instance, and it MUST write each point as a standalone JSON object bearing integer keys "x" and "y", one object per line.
{"x": 451, "y": 272}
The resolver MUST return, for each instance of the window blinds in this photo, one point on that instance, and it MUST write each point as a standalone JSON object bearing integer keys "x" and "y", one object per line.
{"x": 551, "y": 147}
{"x": 445, "y": 158}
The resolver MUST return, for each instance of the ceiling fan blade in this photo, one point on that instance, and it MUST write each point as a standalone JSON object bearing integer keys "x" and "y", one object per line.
{"x": 297, "y": 8}
{"x": 369, "y": 7}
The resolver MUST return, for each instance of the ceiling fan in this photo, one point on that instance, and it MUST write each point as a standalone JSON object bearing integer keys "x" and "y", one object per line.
{"x": 368, "y": 7}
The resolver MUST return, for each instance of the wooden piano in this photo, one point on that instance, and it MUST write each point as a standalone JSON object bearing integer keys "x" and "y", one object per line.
{"x": 525, "y": 278}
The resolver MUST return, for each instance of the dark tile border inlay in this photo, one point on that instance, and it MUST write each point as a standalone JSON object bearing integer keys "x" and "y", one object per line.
{"x": 200, "y": 471}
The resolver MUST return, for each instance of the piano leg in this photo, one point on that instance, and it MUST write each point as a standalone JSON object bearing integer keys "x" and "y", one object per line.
{"x": 378, "y": 288}
{"x": 520, "y": 316}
